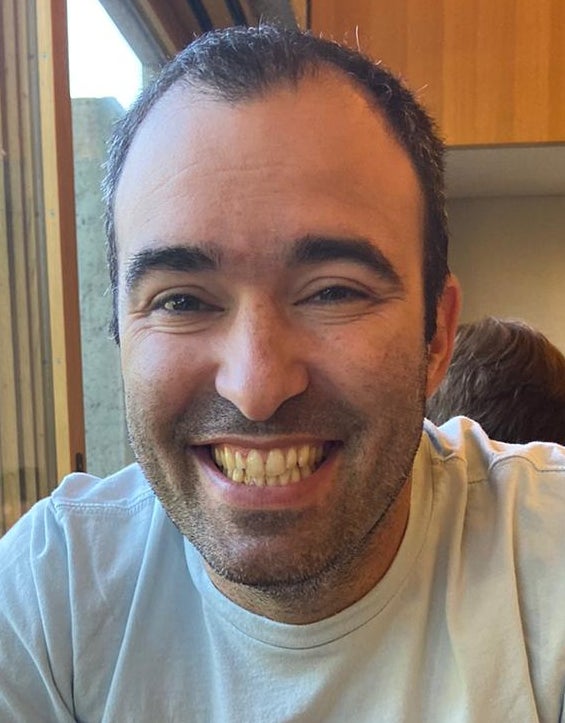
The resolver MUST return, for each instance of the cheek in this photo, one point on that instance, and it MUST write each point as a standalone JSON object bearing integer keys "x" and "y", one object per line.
{"x": 375, "y": 341}
{"x": 162, "y": 371}
{"x": 369, "y": 368}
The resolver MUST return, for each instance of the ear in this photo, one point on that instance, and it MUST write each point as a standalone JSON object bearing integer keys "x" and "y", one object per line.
{"x": 440, "y": 347}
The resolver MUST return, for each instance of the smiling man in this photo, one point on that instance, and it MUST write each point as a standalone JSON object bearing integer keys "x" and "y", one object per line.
{"x": 271, "y": 322}
{"x": 291, "y": 544}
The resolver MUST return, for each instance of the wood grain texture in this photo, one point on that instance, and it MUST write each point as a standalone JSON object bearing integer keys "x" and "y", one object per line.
{"x": 22, "y": 264}
{"x": 27, "y": 449}
{"x": 489, "y": 72}
{"x": 300, "y": 10}
{"x": 10, "y": 215}
{"x": 172, "y": 22}
{"x": 60, "y": 232}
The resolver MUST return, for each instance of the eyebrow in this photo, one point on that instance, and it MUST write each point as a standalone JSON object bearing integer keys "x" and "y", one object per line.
{"x": 168, "y": 258}
{"x": 308, "y": 250}
{"x": 316, "y": 249}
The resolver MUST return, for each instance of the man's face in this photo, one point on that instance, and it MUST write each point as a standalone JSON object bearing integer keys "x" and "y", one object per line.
{"x": 272, "y": 324}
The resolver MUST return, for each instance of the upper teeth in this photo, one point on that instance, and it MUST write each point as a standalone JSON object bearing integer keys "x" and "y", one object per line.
{"x": 268, "y": 467}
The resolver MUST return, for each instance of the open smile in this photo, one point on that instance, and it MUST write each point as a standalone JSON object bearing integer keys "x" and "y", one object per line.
{"x": 273, "y": 467}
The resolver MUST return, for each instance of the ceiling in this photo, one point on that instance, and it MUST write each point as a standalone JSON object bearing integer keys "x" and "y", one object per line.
{"x": 506, "y": 171}
{"x": 537, "y": 170}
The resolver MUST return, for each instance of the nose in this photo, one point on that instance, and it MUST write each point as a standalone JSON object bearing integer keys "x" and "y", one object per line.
{"x": 262, "y": 363}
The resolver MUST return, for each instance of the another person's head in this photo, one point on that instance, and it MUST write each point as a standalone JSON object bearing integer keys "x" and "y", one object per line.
{"x": 508, "y": 377}
{"x": 278, "y": 253}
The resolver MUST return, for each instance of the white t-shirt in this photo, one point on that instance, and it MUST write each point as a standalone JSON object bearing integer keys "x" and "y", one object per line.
{"x": 106, "y": 612}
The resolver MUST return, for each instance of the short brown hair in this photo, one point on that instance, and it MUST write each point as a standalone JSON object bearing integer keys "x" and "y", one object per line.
{"x": 236, "y": 64}
{"x": 508, "y": 377}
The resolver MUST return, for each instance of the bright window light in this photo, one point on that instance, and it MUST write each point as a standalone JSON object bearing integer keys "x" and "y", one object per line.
{"x": 101, "y": 63}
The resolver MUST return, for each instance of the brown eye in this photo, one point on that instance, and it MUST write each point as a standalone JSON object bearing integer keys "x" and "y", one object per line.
{"x": 185, "y": 303}
{"x": 336, "y": 295}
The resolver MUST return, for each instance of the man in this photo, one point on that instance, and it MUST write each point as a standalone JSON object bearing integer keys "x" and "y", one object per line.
{"x": 294, "y": 548}
{"x": 508, "y": 377}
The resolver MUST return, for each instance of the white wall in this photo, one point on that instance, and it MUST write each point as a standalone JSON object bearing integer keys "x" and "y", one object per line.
{"x": 509, "y": 254}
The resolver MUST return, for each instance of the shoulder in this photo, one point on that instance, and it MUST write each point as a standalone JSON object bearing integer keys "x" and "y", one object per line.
{"x": 85, "y": 518}
{"x": 505, "y": 534}
{"x": 460, "y": 446}
{"x": 69, "y": 571}
{"x": 87, "y": 542}
{"x": 506, "y": 499}
{"x": 509, "y": 513}
{"x": 121, "y": 492}
{"x": 79, "y": 498}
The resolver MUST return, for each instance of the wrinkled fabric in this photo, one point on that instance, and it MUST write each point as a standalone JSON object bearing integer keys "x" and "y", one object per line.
{"x": 107, "y": 614}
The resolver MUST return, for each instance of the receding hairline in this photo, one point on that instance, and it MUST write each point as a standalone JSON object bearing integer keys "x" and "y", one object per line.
{"x": 316, "y": 69}
{"x": 182, "y": 97}
{"x": 270, "y": 57}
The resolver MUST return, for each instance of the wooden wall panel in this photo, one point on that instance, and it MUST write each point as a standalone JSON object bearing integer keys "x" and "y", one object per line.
{"x": 490, "y": 72}
{"x": 27, "y": 420}
{"x": 301, "y": 12}
{"x": 60, "y": 234}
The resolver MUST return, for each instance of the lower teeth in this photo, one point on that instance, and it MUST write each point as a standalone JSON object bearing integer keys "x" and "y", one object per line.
{"x": 290, "y": 477}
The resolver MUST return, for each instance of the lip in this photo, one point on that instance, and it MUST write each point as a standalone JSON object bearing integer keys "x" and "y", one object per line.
{"x": 298, "y": 495}
{"x": 263, "y": 442}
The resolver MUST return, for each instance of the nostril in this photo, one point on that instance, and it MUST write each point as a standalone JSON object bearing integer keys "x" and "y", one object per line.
{"x": 259, "y": 370}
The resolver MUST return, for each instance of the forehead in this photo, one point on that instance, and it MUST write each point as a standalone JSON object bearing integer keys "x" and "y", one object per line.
{"x": 315, "y": 158}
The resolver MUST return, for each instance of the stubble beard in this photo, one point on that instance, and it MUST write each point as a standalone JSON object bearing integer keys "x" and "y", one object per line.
{"x": 328, "y": 553}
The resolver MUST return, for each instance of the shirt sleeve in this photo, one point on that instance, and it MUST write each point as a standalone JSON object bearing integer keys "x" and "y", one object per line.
{"x": 35, "y": 622}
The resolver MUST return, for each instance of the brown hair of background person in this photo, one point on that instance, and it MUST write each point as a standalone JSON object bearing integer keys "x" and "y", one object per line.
{"x": 508, "y": 377}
